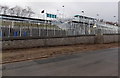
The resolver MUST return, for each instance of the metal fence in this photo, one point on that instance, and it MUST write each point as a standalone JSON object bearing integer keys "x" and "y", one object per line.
{"x": 30, "y": 32}
{"x": 69, "y": 29}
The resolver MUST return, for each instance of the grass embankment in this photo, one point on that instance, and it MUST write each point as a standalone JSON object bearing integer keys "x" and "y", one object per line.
{"x": 9, "y": 56}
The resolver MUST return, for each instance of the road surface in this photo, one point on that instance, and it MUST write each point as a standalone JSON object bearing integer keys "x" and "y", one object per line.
{"x": 95, "y": 63}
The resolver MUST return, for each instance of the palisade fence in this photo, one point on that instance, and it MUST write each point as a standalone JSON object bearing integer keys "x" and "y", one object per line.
{"x": 70, "y": 29}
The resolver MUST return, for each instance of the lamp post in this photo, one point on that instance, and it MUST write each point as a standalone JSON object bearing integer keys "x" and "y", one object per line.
{"x": 115, "y": 22}
{"x": 115, "y": 18}
{"x": 97, "y": 21}
{"x": 83, "y": 21}
{"x": 98, "y": 18}
{"x": 63, "y": 11}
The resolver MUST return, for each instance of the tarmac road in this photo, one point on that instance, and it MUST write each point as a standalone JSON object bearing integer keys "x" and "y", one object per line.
{"x": 96, "y": 63}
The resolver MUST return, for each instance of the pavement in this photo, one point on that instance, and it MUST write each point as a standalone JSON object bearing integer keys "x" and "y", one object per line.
{"x": 94, "y": 63}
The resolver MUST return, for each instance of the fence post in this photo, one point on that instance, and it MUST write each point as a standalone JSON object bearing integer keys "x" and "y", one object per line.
{"x": 39, "y": 31}
{"x": 30, "y": 31}
{"x": 20, "y": 32}
{"x": 9, "y": 31}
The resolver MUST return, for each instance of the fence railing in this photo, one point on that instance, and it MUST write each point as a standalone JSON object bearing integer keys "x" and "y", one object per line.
{"x": 48, "y": 31}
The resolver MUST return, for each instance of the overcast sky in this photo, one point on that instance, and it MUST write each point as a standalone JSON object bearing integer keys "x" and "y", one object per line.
{"x": 105, "y": 8}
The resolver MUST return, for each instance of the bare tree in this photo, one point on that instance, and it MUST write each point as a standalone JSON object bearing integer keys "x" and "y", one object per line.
{"x": 17, "y": 10}
{"x": 29, "y": 12}
{"x": 24, "y": 12}
{"x": 11, "y": 11}
{"x": 3, "y": 9}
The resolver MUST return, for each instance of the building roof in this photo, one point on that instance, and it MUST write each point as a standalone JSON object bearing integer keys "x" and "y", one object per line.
{"x": 18, "y": 18}
{"x": 85, "y": 17}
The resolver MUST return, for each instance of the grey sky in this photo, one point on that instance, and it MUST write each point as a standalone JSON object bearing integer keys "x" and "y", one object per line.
{"x": 105, "y": 9}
